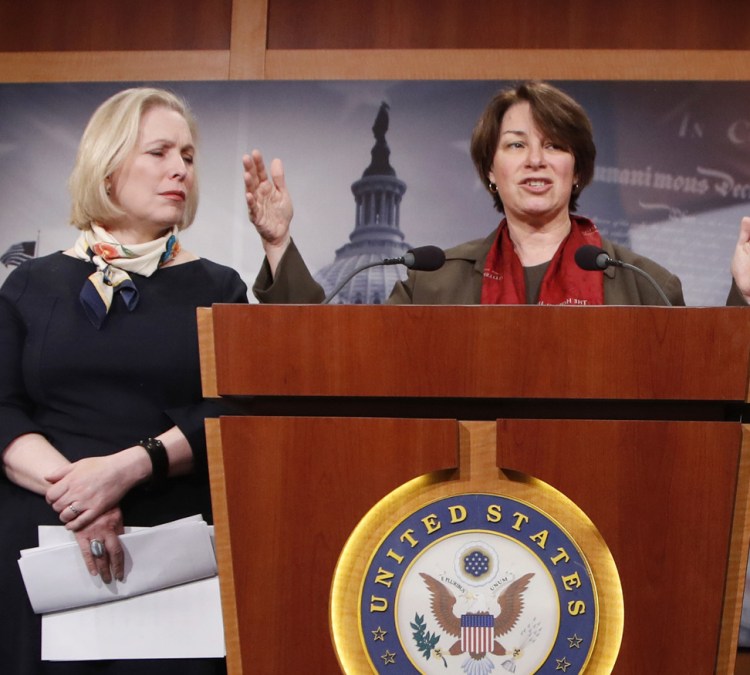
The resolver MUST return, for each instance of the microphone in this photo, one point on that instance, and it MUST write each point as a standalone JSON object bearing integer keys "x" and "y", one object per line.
{"x": 421, "y": 259}
{"x": 593, "y": 258}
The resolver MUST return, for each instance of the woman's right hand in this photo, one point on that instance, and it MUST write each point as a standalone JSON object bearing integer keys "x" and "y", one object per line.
{"x": 106, "y": 529}
{"x": 741, "y": 260}
{"x": 83, "y": 491}
{"x": 269, "y": 204}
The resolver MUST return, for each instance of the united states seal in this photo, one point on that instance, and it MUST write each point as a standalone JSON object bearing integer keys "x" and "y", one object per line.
{"x": 475, "y": 582}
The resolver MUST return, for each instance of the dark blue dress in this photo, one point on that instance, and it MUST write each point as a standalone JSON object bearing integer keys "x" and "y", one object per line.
{"x": 94, "y": 392}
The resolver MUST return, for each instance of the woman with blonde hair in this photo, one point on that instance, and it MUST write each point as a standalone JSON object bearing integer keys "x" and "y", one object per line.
{"x": 101, "y": 411}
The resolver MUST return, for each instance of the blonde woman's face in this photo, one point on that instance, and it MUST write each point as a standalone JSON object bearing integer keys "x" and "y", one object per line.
{"x": 153, "y": 183}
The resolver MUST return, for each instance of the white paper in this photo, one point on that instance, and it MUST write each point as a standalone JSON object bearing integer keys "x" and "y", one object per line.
{"x": 56, "y": 576}
{"x": 180, "y": 622}
{"x": 176, "y": 623}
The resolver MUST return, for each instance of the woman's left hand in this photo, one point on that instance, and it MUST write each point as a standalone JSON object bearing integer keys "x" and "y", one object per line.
{"x": 741, "y": 260}
{"x": 104, "y": 529}
{"x": 84, "y": 490}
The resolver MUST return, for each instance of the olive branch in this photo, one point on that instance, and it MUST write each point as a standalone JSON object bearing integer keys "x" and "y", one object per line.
{"x": 425, "y": 640}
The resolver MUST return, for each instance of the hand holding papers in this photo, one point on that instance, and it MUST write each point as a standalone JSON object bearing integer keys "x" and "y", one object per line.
{"x": 183, "y": 621}
{"x": 160, "y": 557}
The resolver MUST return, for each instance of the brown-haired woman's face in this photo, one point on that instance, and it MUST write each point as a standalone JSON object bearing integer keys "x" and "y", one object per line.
{"x": 153, "y": 184}
{"x": 534, "y": 175}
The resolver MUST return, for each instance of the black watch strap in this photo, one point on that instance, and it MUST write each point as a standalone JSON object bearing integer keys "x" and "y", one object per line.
{"x": 159, "y": 460}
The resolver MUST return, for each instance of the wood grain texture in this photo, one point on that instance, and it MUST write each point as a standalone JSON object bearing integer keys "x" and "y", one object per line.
{"x": 511, "y": 24}
{"x": 738, "y": 557}
{"x": 295, "y": 489}
{"x": 207, "y": 351}
{"x": 638, "y": 353}
{"x": 248, "y": 44}
{"x": 223, "y": 539}
{"x": 248, "y": 62}
{"x": 507, "y": 64}
{"x": 114, "y": 25}
{"x": 135, "y": 40}
{"x": 77, "y": 25}
{"x": 662, "y": 494}
{"x": 121, "y": 66}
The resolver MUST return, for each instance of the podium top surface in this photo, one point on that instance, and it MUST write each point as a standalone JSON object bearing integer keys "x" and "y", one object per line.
{"x": 527, "y": 352}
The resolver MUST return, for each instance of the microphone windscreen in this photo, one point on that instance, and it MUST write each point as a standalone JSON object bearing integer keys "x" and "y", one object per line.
{"x": 425, "y": 258}
{"x": 591, "y": 258}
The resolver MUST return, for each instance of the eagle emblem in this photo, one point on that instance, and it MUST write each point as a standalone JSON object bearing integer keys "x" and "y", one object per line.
{"x": 477, "y": 633}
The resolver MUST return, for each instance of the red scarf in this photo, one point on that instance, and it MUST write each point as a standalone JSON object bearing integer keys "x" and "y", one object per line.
{"x": 564, "y": 282}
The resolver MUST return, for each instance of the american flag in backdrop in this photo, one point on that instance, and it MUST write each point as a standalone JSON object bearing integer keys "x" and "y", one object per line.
{"x": 477, "y": 633}
{"x": 18, "y": 253}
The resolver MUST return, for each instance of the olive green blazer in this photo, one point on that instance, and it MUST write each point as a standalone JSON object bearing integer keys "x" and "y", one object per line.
{"x": 459, "y": 281}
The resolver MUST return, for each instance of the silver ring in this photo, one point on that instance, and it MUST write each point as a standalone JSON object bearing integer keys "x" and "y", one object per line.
{"x": 74, "y": 509}
{"x": 97, "y": 548}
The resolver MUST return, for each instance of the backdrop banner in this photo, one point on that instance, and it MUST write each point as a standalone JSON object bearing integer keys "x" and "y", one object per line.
{"x": 672, "y": 178}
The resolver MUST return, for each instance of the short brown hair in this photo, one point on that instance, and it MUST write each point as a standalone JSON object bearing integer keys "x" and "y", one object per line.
{"x": 560, "y": 117}
{"x": 110, "y": 136}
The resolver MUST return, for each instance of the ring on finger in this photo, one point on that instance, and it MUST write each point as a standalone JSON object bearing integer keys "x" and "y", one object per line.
{"x": 74, "y": 509}
{"x": 97, "y": 548}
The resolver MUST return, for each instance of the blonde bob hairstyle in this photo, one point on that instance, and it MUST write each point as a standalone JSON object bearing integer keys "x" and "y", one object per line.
{"x": 109, "y": 137}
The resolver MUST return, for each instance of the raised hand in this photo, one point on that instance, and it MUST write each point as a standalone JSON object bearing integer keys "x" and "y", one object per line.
{"x": 741, "y": 260}
{"x": 269, "y": 204}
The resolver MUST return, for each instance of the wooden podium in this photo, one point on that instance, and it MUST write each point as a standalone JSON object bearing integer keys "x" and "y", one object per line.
{"x": 633, "y": 413}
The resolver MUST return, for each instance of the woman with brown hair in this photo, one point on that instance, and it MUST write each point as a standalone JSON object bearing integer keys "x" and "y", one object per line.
{"x": 534, "y": 151}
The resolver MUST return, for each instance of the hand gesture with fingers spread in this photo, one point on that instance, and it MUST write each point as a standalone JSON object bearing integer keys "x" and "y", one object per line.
{"x": 741, "y": 260}
{"x": 269, "y": 204}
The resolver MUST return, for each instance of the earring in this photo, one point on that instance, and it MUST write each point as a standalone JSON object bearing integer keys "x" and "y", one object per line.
{"x": 576, "y": 187}
{"x": 492, "y": 187}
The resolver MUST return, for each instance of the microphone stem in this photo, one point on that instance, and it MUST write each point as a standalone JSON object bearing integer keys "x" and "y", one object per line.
{"x": 348, "y": 278}
{"x": 651, "y": 280}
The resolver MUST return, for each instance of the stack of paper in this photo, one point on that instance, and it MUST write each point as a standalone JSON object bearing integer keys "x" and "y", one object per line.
{"x": 168, "y": 605}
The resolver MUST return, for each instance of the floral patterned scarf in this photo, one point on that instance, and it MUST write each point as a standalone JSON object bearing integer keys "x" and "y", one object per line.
{"x": 114, "y": 262}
